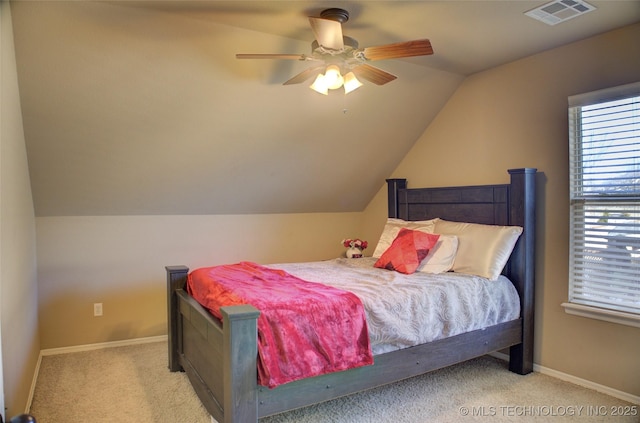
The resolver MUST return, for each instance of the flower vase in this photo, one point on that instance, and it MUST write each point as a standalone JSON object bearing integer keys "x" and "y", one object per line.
{"x": 354, "y": 252}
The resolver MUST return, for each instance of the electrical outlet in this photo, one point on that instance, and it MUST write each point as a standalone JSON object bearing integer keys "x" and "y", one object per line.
{"x": 97, "y": 309}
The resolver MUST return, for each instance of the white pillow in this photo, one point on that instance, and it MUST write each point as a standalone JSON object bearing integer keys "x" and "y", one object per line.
{"x": 441, "y": 257}
{"x": 483, "y": 250}
{"x": 393, "y": 226}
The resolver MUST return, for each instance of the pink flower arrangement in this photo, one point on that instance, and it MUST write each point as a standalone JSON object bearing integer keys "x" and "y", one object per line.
{"x": 355, "y": 243}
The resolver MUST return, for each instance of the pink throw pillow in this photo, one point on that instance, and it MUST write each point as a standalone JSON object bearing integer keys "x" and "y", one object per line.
{"x": 407, "y": 250}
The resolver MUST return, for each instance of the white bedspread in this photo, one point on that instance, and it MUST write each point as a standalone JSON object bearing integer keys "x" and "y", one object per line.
{"x": 406, "y": 310}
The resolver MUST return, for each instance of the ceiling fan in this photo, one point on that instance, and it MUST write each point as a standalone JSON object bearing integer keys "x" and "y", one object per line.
{"x": 339, "y": 55}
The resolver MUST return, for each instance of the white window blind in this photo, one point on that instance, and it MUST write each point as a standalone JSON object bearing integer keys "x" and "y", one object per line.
{"x": 604, "y": 137}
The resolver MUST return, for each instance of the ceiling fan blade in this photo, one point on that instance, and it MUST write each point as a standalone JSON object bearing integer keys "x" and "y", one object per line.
{"x": 328, "y": 33}
{"x": 273, "y": 56}
{"x": 373, "y": 74}
{"x": 304, "y": 75}
{"x": 398, "y": 50}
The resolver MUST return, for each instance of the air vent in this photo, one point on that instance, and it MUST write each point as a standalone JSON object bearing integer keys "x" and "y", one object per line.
{"x": 559, "y": 11}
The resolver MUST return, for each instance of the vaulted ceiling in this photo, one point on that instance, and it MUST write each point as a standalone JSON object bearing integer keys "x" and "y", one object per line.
{"x": 140, "y": 107}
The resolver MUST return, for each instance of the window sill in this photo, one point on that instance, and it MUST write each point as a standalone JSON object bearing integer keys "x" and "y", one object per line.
{"x": 619, "y": 317}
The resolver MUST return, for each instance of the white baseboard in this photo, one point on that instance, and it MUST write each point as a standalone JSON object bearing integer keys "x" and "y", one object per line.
{"x": 33, "y": 384}
{"x": 87, "y": 347}
{"x": 625, "y": 396}
{"x": 102, "y": 345}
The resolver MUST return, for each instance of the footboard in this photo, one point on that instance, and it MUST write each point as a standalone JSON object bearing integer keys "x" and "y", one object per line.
{"x": 219, "y": 358}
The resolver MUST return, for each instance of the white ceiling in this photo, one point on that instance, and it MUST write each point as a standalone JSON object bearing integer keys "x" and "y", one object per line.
{"x": 468, "y": 36}
{"x": 140, "y": 107}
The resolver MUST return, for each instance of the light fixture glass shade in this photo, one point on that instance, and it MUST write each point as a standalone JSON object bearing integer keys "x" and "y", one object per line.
{"x": 333, "y": 78}
{"x": 320, "y": 85}
{"x": 351, "y": 83}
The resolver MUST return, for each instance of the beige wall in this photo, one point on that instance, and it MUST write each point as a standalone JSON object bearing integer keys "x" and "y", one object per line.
{"x": 18, "y": 288}
{"x": 516, "y": 116}
{"x": 119, "y": 261}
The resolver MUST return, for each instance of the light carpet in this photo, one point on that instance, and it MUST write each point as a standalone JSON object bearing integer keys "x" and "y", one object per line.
{"x": 133, "y": 384}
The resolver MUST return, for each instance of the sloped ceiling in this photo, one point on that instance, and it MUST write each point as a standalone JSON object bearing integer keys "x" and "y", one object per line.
{"x": 140, "y": 107}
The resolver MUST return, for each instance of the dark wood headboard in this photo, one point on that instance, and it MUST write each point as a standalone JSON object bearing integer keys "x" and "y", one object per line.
{"x": 503, "y": 204}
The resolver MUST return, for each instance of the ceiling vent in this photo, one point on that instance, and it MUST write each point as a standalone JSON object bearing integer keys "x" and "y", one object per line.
{"x": 559, "y": 11}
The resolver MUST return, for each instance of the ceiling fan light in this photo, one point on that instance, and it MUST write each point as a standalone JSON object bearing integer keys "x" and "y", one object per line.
{"x": 333, "y": 78}
{"x": 351, "y": 83}
{"x": 320, "y": 85}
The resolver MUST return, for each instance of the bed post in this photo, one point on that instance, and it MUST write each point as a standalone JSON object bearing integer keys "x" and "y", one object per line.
{"x": 176, "y": 279}
{"x": 240, "y": 351}
{"x": 393, "y": 187}
{"x": 522, "y": 212}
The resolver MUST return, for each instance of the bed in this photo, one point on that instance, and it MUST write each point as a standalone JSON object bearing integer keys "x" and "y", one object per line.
{"x": 220, "y": 357}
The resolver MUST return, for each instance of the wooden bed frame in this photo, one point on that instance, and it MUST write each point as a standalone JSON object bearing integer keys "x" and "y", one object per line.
{"x": 220, "y": 359}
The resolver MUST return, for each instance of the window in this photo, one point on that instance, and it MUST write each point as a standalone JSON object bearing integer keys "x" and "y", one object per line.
{"x": 604, "y": 172}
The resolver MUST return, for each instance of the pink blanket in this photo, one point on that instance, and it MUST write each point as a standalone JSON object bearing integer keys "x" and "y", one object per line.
{"x": 305, "y": 329}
